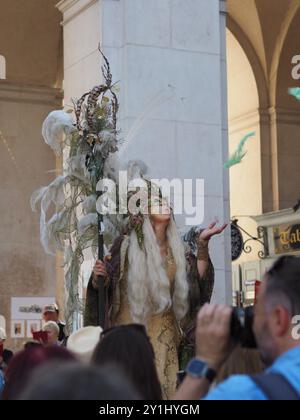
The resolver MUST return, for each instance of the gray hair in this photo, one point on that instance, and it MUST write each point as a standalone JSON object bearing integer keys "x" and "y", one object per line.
{"x": 51, "y": 326}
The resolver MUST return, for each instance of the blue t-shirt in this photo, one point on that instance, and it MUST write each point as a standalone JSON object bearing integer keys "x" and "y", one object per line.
{"x": 1, "y": 382}
{"x": 242, "y": 388}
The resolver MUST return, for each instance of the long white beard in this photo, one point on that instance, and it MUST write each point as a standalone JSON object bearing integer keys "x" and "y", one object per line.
{"x": 149, "y": 289}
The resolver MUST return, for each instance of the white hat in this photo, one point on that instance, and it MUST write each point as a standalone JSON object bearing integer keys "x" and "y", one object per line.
{"x": 82, "y": 343}
{"x": 53, "y": 308}
{"x": 2, "y": 334}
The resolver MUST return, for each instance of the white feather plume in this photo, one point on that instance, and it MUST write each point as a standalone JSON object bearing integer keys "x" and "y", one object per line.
{"x": 53, "y": 194}
{"x": 55, "y": 127}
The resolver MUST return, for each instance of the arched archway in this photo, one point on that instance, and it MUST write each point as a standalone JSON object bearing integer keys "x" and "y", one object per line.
{"x": 286, "y": 112}
{"x": 263, "y": 114}
{"x": 253, "y": 60}
{"x": 288, "y": 23}
{"x": 268, "y": 33}
{"x": 242, "y": 85}
{"x": 244, "y": 103}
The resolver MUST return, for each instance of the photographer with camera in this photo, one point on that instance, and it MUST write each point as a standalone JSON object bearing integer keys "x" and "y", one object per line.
{"x": 277, "y": 337}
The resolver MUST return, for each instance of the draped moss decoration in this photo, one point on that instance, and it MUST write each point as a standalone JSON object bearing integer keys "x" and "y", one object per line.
{"x": 68, "y": 217}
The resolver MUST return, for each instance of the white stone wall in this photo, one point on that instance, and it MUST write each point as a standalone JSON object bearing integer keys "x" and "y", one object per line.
{"x": 160, "y": 49}
{"x": 82, "y": 34}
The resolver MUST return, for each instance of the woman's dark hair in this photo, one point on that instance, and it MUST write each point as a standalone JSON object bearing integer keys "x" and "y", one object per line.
{"x": 130, "y": 348}
{"x": 23, "y": 364}
{"x": 32, "y": 344}
{"x": 75, "y": 382}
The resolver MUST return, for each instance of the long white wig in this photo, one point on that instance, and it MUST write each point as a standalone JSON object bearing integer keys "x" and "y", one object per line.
{"x": 149, "y": 290}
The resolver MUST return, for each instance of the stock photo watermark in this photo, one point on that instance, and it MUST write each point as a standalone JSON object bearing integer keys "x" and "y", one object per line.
{"x": 296, "y": 328}
{"x": 296, "y": 67}
{"x": 157, "y": 196}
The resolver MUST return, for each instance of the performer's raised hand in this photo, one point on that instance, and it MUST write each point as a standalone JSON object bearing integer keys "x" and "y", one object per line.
{"x": 202, "y": 242}
{"x": 211, "y": 231}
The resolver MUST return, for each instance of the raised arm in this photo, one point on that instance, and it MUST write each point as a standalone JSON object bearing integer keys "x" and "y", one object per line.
{"x": 203, "y": 246}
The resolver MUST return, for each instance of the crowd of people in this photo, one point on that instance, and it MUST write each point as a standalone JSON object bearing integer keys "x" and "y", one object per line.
{"x": 119, "y": 363}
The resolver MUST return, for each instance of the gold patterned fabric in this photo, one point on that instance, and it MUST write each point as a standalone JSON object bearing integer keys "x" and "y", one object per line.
{"x": 163, "y": 332}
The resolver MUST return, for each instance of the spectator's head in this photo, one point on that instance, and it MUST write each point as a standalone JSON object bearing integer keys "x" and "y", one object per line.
{"x": 24, "y": 364}
{"x": 278, "y": 303}
{"x": 130, "y": 348}
{"x": 2, "y": 335}
{"x": 53, "y": 332}
{"x": 51, "y": 313}
{"x": 76, "y": 382}
{"x": 32, "y": 344}
{"x": 82, "y": 343}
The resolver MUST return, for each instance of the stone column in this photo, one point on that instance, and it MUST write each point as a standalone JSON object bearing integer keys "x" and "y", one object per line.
{"x": 170, "y": 58}
{"x": 82, "y": 24}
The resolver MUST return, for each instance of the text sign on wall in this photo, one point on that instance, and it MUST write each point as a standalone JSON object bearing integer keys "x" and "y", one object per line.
{"x": 286, "y": 238}
{"x": 29, "y": 307}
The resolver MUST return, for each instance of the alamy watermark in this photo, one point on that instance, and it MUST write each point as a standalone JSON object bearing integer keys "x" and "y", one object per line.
{"x": 186, "y": 197}
{"x": 296, "y": 329}
{"x": 296, "y": 68}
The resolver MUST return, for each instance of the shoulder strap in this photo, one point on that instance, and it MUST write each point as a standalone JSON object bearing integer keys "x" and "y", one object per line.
{"x": 276, "y": 387}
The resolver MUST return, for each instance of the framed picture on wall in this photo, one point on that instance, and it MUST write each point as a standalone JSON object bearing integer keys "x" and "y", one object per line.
{"x": 18, "y": 329}
{"x": 33, "y": 326}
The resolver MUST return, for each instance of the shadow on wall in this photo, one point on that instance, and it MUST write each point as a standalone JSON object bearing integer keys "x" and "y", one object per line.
{"x": 20, "y": 275}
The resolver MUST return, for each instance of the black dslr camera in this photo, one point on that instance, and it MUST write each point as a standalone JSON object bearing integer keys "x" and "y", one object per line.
{"x": 242, "y": 323}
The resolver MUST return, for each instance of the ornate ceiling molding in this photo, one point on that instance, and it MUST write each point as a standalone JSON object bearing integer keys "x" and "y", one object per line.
{"x": 11, "y": 92}
{"x": 72, "y": 8}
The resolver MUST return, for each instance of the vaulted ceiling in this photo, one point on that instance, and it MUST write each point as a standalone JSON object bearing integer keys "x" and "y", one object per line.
{"x": 269, "y": 33}
{"x": 31, "y": 41}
